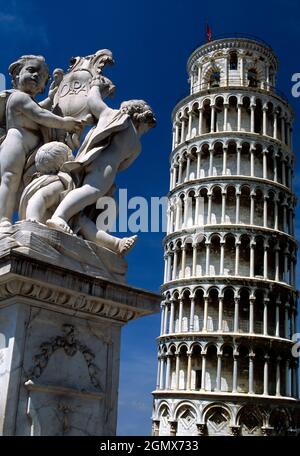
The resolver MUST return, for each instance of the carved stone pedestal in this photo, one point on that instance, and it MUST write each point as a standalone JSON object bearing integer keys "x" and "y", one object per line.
{"x": 60, "y": 345}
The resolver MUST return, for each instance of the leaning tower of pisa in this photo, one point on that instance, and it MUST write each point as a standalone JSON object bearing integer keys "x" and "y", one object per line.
{"x": 225, "y": 360}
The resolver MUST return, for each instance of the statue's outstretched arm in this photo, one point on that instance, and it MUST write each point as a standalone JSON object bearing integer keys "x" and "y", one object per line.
{"x": 43, "y": 117}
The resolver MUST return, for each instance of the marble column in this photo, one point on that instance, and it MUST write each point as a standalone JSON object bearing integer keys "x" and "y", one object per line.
{"x": 252, "y": 108}
{"x": 238, "y": 159}
{"x": 194, "y": 261}
{"x": 200, "y": 121}
{"x": 207, "y": 272}
{"x": 177, "y": 371}
{"x": 237, "y": 257}
{"x": 277, "y": 318}
{"x": 265, "y": 316}
{"x": 189, "y": 371}
{"x": 235, "y": 373}
{"x": 161, "y": 372}
{"x": 192, "y": 314}
{"x": 226, "y": 106}
{"x": 212, "y": 121}
{"x": 168, "y": 372}
{"x": 204, "y": 329}
{"x": 251, "y": 373}
{"x": 264, "y": 120}
{"x": 236, "y": 315}
{"x": 198, "y": 172}
{"x": 222, "y": 247}
{"x": 172, "y": 312}
{"x": 278, "y": 379}
{"x": 251, "y": 314}
{"x": 266, "y": 375}
{"x": 220, "y": 316}
{"x": 180, "y": 315}
{"x": 224, "y": 170}
{"x": 203, "y": 378}
{"x": 237, "y": 207}
{"x": 219, "y": 369}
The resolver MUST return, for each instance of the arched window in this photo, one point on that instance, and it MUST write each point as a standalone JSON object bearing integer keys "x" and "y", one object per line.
{"x": 233, "y": 61}
{"x": 214, "y": 79}
{"x": 271, "y": 76}
{"x": 252, "y": 77}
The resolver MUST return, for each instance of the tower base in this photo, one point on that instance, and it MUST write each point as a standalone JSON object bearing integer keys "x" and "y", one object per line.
{"x": 221, "y": 414}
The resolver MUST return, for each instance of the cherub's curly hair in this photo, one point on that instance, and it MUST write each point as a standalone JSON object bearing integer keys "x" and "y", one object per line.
{"x": 51, "y": 156}
{"x": 139, "y": 111}
{"x": 15, "y": 67}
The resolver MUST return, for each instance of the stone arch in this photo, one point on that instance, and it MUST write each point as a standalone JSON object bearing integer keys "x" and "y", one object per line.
{"x": 280, "y": 420}
{"x": 228, "y": 309}
{"x": 184, "y": 405}
{"x": 212, "y": 76}
{"x": 250, "y": 420}
{"x": 213, "y": 308}
{"x": 230, "y": 204}
{"x": 163, "y": 414}
{"x": 216, "y": 204}
{"x": 227, "y": 350}
{"x": 199, "y": 309}
{"x": 245, "y": 168}
{"x": 217, "y": 418}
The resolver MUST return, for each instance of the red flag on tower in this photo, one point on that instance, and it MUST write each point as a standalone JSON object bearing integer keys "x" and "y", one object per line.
{"x": 208, "y": 32}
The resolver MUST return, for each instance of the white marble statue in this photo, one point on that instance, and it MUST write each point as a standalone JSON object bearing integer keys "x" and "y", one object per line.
{"x": 108, "y": 148}
{"x": 25, "y": 120}
{"x": 41, "y": 197}
{"x": 40, "y": 140}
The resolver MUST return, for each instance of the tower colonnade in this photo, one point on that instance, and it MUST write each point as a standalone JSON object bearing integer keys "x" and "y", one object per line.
{"x": 229, "y": 308}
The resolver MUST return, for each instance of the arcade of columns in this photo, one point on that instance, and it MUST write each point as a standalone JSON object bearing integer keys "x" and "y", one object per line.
{"x": 229, "y": 311}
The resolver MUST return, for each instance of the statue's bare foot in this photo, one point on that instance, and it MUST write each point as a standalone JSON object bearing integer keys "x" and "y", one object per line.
{"x": 126, "y": 244}
{"x": 5, "y": 222}
{"x": 59, "y": 224}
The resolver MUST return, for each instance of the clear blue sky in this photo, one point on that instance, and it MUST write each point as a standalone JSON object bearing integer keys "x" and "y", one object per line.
{"x": 151, "y": 42}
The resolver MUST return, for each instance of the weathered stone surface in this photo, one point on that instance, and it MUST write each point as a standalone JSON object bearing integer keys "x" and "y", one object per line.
{"x": 59, "y": 346}
{"x": 61, "y": 249}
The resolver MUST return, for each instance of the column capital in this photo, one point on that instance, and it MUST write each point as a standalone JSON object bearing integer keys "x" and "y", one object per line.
{"x": 173, "y": 425}
{"x": 201, "y": 427}
{"x": 235, "y": 430}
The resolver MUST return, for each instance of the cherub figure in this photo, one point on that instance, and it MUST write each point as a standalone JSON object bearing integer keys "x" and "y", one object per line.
{"x": 26, "y": 125}
{"x": 41, "y": 197}
{"x": 109, "y": 147}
